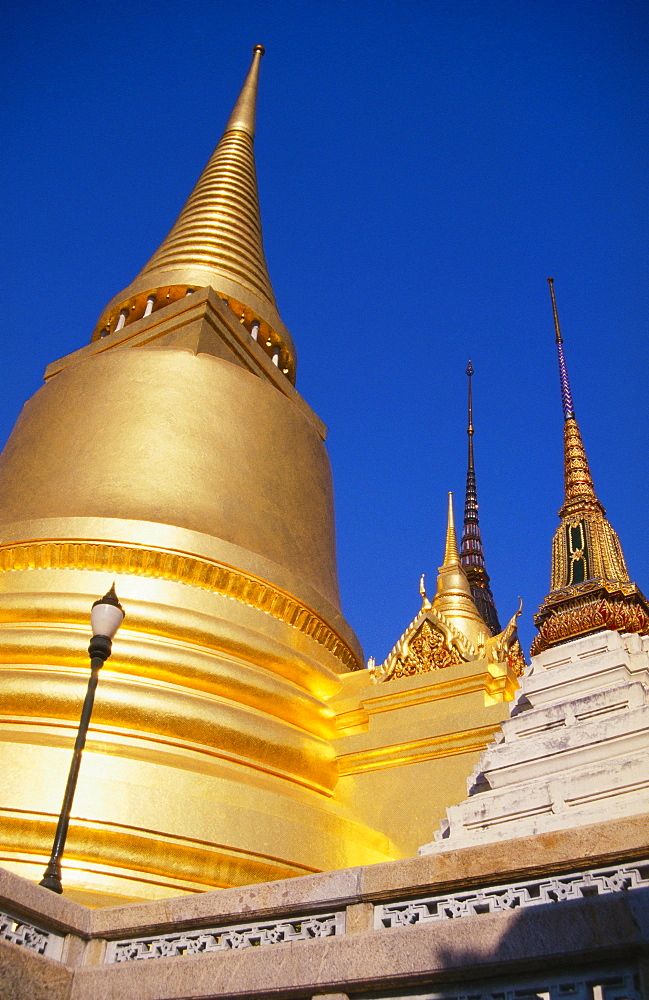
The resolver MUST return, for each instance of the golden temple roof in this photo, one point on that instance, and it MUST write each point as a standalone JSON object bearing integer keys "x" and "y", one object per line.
{"x": 449, "y": 630}
{"x": 216, "y": 241}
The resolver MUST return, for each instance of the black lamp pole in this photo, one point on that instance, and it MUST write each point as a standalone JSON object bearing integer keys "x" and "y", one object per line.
{"x": 106, "y": 617}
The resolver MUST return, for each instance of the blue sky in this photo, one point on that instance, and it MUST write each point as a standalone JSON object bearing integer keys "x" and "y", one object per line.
{"x": 423, "y": 167}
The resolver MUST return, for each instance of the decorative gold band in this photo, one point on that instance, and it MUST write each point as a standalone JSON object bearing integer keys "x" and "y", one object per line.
{"x": 580, "y": 617}
{"x": 181, "y": 568}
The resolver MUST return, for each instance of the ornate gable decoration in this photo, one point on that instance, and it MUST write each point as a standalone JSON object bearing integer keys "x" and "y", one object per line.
{"x": 431, "y": 642}
{"x": 450, "y": 630}
{"x": 428, "y": 651}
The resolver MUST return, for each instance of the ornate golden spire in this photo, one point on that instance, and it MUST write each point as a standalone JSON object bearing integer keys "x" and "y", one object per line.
{"x": 453, "y": 598}
{"x": 450, "y": 631}
{"x": 590, "y": 586}
{"x": 580, "y": 491}
{"x": 216, "y": 241}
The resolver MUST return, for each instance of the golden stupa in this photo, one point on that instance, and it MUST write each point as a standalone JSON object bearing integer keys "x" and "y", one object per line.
{"x": 173, "y": 455}
{"x": 235, "y": 737}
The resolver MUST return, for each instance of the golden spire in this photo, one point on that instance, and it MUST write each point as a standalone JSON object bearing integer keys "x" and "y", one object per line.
{"x": 451, "y": 631}
{"x": 590, "y": 586}
{"x": 580, "y": 491}
{"x": 216, "y": 241}
{"x": 242, "y": 118}
{"x": 453, "y": 598}
{"x": 451, "y": 553}
{"x": 579, "y": 488}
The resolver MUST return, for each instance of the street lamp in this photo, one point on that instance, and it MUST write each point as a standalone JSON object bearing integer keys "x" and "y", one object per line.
{"x": 105, "y": 618}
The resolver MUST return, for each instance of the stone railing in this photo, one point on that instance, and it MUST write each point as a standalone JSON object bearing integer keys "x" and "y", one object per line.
{"x": 27, "y": 936}
{"x": 450, "y": 906}
{"x": 226, "y": 938}
{"x": 516, "y": 895}
{"x": 381, "y": 929}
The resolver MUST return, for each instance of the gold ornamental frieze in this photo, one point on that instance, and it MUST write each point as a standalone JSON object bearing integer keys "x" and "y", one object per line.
{"x": 592, "y": 610}
{"x": 557, "y": 597}
{"x": 180, "y": 567}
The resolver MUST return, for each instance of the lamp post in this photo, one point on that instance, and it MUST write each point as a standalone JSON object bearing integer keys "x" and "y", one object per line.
{"x": 105, "y": 618}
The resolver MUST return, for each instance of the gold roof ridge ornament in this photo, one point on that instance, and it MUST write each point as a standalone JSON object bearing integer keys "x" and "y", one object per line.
{"x": 449, "y": 630}
{"x": 216, "y": 241}
{"x": 590, "y": 589}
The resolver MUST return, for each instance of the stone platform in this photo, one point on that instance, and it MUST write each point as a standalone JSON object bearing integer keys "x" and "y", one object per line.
{"x": 575, "y": 749}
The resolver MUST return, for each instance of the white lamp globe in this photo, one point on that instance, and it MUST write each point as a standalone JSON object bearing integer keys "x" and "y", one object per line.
{"x": 107, "y": 615}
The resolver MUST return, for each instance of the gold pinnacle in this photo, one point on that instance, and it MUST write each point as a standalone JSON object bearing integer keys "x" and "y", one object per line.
{"x": 451, "y": 553}
{"x": 217, "y": 239}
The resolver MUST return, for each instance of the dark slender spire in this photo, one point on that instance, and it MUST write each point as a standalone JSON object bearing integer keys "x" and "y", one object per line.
{"x": 566, "y": 395}
{"x": 472, "y": 553}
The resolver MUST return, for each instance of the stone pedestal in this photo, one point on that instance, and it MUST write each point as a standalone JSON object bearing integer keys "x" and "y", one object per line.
{"x": 574, "y": 750}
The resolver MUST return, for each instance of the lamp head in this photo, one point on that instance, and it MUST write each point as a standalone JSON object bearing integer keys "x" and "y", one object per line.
{"x": 107, "y": 615}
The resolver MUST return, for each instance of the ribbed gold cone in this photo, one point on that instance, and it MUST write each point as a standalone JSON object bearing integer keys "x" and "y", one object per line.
{"x": 216, "y": 240}
{"x": 219, "y": 229}
{"x": 451, "y": 552}
{"x": 580, "y": 490}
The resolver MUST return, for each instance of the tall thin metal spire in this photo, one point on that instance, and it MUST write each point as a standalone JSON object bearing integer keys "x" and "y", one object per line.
{"x": 566, "y": 395}
{"x": 472, "y": 553}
